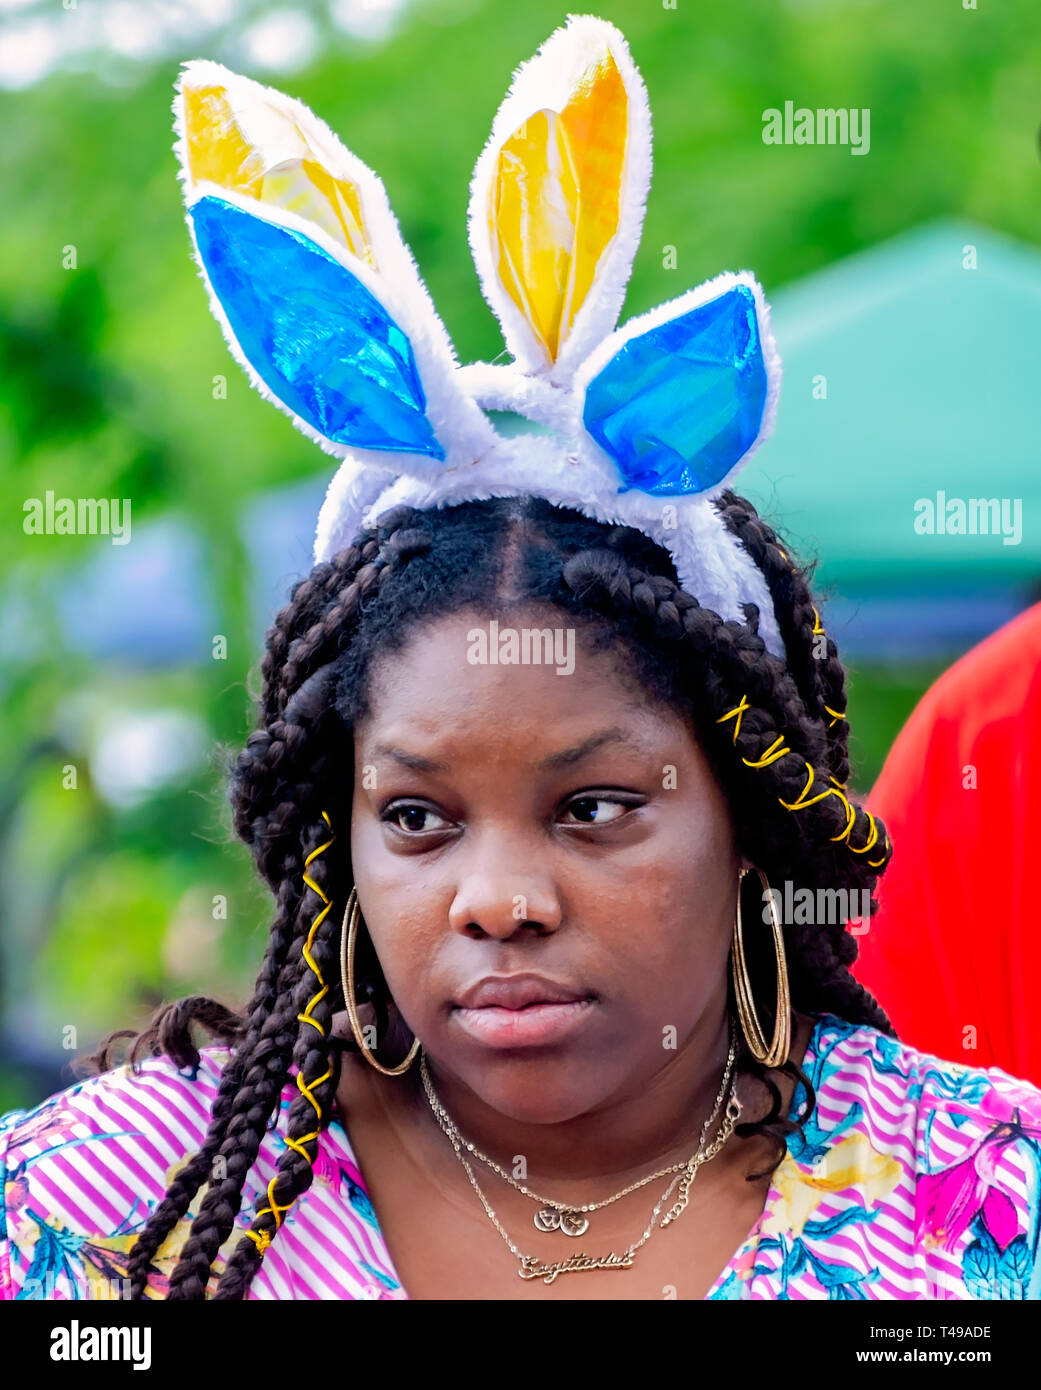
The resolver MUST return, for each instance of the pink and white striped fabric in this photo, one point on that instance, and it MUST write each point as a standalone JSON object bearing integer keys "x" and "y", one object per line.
{"x": 913, "y": 1178}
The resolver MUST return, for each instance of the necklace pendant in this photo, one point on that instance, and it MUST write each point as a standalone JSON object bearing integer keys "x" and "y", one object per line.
{"x": 531, "y": 1267}
{"x": 574, "y": 1223}
{"x": 571, "y": 1223}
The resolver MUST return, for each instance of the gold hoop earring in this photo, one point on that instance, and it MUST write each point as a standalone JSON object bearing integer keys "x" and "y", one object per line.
{"x": 348, "y": 938}
{"x": 775, "y": 1052}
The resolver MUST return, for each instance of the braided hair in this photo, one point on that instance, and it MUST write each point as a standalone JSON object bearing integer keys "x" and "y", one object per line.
{"x": 774, "y": 734}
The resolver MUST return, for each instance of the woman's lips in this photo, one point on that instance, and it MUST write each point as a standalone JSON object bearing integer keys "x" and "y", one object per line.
{"x": 535, "y": 1025}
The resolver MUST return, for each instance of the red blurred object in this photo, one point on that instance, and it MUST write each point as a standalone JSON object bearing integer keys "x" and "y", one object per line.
{"x": 954, "y": 945}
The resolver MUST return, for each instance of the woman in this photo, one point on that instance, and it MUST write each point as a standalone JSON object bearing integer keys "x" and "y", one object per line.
{"x": 582, "y": 833}
{"x": 533, "y": 781}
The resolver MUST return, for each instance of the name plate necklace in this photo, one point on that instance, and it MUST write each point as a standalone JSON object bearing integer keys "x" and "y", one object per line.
{"x": 534, "y": 1268}
{"x": 563, "y": 1216}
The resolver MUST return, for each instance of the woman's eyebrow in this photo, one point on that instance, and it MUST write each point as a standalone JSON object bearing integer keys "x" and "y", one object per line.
{"x": 565, "y": 758}
{"x": 410, "y": 760}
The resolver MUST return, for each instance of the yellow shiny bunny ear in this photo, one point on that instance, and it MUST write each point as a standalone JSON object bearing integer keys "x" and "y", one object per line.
{"x": 558, "y": 195}
{"x": 252, "y": 140}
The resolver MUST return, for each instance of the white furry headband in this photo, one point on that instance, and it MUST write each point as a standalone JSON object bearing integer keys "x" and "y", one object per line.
{"x": 321, "y": 302}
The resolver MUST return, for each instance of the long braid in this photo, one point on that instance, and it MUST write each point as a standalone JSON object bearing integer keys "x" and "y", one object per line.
{"x": 821, "y": 678}
{"x": 308, "y": 599}
{"x": 264, "y": 1075}
{"x": 262, "y": 758}
{"x": 191, "y": 1177}
{"x": 326, "y": 635}
{"x": 317, "y": 1076}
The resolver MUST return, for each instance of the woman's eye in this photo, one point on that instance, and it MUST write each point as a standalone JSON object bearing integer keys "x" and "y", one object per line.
{"x": 596, "y": 810}
{"x": 414, "y": 819}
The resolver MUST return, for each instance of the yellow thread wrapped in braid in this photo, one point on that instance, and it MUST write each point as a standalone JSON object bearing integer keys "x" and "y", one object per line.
{"x": 305, "y": 1017}
{"x": 851, "y": 815}
{"x": 778, "y": 750}
{"x": 875, "y": 863}
{"x": 771, "y": 755}
{"x": 262, "y": 1239}
{"x": 869, "y": 843}
{"x": 275, "y": 1208}
{"x": 738, "y": 710}
{"x": 802, "y": 801}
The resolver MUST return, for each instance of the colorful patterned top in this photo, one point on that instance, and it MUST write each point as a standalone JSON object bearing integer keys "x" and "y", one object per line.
{"x": 915, "y": 1179}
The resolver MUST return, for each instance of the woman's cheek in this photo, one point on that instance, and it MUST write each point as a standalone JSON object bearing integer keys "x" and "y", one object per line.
{"x": 406, "y": 949}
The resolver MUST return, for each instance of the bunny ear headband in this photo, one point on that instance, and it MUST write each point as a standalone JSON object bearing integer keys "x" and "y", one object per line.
{"x": 321, "y": 302}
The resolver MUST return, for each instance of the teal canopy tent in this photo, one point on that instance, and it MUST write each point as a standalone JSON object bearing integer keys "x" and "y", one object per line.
{"x": 911, "y": 407}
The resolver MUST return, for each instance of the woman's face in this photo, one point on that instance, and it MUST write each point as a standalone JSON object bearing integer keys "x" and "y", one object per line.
{"x": 511, "y": 820}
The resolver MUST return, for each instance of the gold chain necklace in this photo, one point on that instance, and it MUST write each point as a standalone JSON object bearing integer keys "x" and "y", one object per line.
{"x": 563, "y": 1216}
{"x": 531, "y": 1266}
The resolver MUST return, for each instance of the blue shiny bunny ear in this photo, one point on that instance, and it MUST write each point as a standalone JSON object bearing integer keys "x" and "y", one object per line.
{"x": 315, "y": 338}
{"x": 680, "y": 397}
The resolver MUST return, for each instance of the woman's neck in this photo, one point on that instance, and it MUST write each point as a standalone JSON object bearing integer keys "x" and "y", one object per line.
{"x": 653, "y": 1125}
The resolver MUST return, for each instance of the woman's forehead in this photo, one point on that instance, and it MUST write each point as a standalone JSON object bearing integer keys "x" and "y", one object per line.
{"x": 429, "y": 707}
{"x": 463, "y": 659}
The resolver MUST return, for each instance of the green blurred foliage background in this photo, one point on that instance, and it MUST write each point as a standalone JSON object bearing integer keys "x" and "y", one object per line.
{"x": 106, "y": 390}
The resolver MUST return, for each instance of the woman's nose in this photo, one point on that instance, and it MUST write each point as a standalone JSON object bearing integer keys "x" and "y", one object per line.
{"x": 501, "y": 903}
